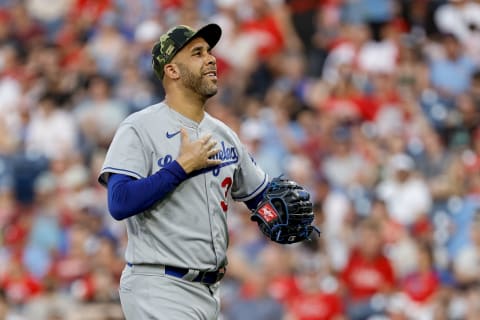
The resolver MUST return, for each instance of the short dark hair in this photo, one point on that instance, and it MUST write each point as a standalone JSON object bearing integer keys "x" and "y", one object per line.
{"x": 476, "y": 75}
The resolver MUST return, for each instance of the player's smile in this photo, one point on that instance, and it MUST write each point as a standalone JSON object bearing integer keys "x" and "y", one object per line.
{"x": 211, "y": 75}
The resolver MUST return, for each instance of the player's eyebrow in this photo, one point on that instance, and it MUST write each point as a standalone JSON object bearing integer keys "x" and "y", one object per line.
{"x": 200, "y": 47}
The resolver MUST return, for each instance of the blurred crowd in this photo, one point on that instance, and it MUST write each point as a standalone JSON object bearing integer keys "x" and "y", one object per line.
{"x": 373, "y": 105}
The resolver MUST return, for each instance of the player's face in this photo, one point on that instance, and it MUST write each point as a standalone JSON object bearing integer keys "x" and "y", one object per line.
{"x": 198, "y": 68}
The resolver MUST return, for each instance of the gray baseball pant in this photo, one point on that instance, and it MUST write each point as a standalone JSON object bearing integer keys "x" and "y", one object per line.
{"x": 146, "y": 293}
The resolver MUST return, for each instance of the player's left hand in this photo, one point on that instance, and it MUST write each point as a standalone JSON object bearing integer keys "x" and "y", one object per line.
{"x": 286, "y": 213}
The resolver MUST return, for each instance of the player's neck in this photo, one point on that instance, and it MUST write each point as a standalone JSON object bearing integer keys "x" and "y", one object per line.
{"x": 187, "y": 105}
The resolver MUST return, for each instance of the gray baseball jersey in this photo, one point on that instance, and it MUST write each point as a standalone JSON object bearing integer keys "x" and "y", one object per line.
{"x": 188, "y": 228}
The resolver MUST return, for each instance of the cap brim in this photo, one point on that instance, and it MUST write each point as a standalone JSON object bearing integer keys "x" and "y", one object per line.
{"x": 211, "y": 33}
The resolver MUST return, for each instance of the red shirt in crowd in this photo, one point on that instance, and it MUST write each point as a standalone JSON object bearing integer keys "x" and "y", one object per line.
{"x": 300, "y": 6}
{"x": 169, "y": 4}
{"x": 267, "y": 29}
{"x": 22, "y": 289}
{"x": 284, "y": 288}
{"x": 19, "y": 285}
{"x": 420, "y": 286}
{"x": 345, "y": 106}
{"x": 360, "y": 105}
{"x": 316, "y": 306}
{"x": 93, "y": 9}
{"x": 364, "y": 278}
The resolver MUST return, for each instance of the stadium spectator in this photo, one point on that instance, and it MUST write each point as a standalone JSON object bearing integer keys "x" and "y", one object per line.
{"x": 466, "y": 262}
{"x": 52, "y": 131}
{"x": 99, "y": 113}
{"x": 455, "y": 66}
{"x": 407, "y": 197}
{"x": 368, "y": 279}
{"x": 461, "y": 18}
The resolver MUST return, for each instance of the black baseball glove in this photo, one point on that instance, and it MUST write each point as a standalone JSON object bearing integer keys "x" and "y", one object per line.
{"x": 285, "y": 214}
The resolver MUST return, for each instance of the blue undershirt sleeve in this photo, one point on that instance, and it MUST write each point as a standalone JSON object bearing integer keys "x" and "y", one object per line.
{"x": 253, "y": 203}
{"x": 128, "y": 196}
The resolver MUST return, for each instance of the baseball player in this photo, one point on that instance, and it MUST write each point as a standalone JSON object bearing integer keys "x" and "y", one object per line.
{"x": 170, "y": 172}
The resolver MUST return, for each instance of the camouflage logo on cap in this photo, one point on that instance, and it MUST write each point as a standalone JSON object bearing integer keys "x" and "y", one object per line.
{"x": 168, "y": 45}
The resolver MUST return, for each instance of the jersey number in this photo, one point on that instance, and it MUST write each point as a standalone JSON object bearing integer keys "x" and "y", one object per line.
{"x": 226, "y": 183}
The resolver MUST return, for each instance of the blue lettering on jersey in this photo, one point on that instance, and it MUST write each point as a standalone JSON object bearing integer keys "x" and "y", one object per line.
{"x": 228, "y": 155}
{"x": 162, "y": 162}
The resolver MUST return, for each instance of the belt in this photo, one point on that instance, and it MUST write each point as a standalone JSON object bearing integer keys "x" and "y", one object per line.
{"x": 207, "y": 277}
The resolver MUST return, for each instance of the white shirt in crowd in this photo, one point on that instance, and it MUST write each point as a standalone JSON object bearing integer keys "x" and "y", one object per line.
{"x": 406, "y": 201}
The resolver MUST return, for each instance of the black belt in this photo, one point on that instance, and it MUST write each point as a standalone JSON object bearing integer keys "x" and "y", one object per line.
{"x": 207, "y": 277}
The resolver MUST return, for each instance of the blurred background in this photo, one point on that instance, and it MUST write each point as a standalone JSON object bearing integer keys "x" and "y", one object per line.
{"x": 373, "y": 105}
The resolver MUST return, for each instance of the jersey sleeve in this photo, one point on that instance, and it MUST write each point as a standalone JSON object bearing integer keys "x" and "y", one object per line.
{"x": 126, "y": 155}
{"x": 249, "y": 179}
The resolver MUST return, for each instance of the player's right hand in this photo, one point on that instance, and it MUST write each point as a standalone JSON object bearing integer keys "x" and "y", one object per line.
{"x": 195, "y": 155}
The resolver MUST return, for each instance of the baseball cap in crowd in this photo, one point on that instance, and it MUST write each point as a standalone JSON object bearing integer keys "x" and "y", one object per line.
{"x": 178, "y": 37}
{"x": 402, "y": 162}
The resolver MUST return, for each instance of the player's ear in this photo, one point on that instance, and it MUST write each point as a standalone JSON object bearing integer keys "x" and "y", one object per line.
{"x": 171, "y": 71}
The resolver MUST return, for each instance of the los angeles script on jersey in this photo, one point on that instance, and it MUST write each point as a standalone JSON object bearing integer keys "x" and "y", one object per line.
{"x": 228, "y": 155}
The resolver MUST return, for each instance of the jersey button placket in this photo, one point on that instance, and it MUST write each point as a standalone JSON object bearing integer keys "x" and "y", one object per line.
{"x": 208, "y": 197}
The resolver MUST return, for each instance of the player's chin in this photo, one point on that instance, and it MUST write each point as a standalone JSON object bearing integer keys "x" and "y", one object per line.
{"x": 210, "y": 91}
